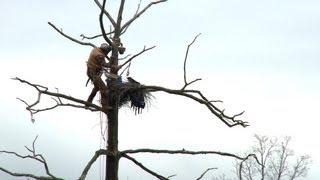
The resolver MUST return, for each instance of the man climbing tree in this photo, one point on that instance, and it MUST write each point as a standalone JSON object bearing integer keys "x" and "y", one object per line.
{"x": 96, "y": 66}
{"x": 113, "y": 95}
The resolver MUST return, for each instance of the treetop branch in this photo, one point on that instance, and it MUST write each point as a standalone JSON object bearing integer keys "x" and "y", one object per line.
{"x": 96, "y": 36}
{"x": 119, "y": 19}
{"x": 125, "y": 29}
{"x": 104, "y": 34}
{"x": 137, "y": 15}
{"x": 72, "y": 39}
{"x": 134, "y": 56}
{"x": 185, "y": 65}
{"x": 90, "y": 37}
{"x": 106, "y": 13}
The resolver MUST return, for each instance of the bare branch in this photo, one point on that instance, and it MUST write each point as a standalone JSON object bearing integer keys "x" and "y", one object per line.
{"x": 106, "y": 13}
{"x": 93, "y": 159}
{"x": 274, "y": 163}
{"x": 264, "y": 149}
{"x": 29, "y": 107}
{"x": 125, "y": 26}
{"x": 33, "y": 156}
{"x": 96, "y": 36}
{"x": 33, "y": 146}
{"x": 209, "y": 169}
{"x": 183, "y": 151}
{"x": 119, "y": 18}
{"x": 209, "y": 104}
{"x": 104, "y": 34}
{"x": 187, "y": 84}
{"x": 123, "y": 58}
{"x": 143, "y": 167}
{"x": 44, "y": 90}
{"x": 138, "y": 8}
{"x": 171, "y": 176}
{"x": 246, "y": 169}
{"x": 230, "y": 121}
{"x": 244, "y": 160}
{"x": 184, "y": 65}
{"x": 213, "y": 101}
{"x": 300, "y": 169}
{"x": 72, "y": 39}
{"x": 90, "y": 37}
{"x": 137, "y": 11}
{"x": 26, "y": 175}
{"x": 134, "y": 56}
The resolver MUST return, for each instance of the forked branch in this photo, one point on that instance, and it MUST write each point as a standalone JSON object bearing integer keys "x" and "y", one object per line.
{"x": 33, "y": 156}
{"x": 137, "y": 15}
{"x": 69, "y": 37}
{"x": 186, "y": 152}
{"x": 119, "y": 17}
{"x": 106, "y": 13}
{"x": 104, "y": 34}
{"x": 134, "y": 56}
{"x": 185, "y": 65}
{"x": 96, "y": 36}
{"x": 197, "y": 96}
{"x": 57, "y": 97}
{"x": 96, "y": 155}
{"x": 244, "y": 160}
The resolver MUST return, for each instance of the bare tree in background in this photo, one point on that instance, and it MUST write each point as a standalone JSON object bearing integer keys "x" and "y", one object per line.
{"x": 115, "y": 92}
{"x": 277, "y": 160}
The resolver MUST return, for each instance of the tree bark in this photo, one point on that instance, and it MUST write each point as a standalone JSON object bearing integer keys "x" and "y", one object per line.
{"x": 112, "y": 161}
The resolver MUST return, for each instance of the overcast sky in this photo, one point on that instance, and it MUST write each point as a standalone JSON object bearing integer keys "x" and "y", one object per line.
{"x": 258, "y": 56}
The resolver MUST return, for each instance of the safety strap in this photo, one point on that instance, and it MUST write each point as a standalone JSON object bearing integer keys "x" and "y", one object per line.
{"x": 128, "y": 71}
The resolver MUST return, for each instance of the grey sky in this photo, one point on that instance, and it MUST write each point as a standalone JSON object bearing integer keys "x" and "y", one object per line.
{"x": 257, "y": 56}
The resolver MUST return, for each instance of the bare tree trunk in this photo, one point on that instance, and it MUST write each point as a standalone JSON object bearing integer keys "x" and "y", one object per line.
{"x": 111, "y": 99}
{"x": 112, "y": 161}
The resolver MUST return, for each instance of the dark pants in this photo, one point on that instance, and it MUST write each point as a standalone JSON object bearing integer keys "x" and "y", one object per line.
{"x": 99, "y": 85}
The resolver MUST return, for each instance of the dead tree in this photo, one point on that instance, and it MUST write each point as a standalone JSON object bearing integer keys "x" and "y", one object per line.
{"x": 113, "y": 97}
{"x": 274, "y": 155}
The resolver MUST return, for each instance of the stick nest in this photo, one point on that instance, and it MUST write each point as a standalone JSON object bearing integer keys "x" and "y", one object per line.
{"x": 132, "y": 95}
